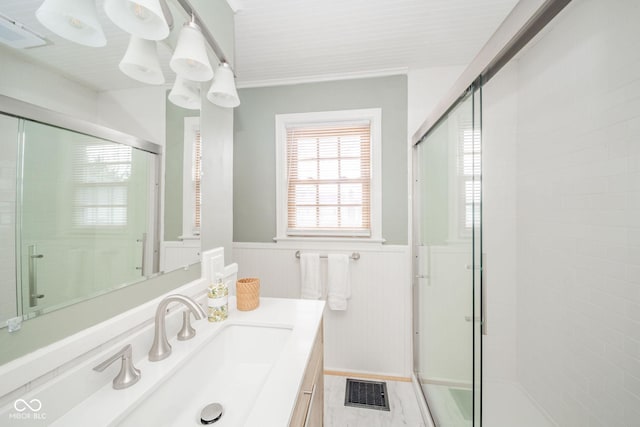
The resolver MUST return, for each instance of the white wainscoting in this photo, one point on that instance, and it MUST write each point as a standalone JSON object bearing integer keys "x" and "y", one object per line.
{"x": 174, "y": 255}
{"x": 374, "y": 334}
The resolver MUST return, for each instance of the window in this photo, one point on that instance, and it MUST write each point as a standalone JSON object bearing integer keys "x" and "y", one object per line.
{"x": 192, "y": 174}
{"x": 101, "y": 172}
{"x": 329, "y": 174}
{"x": 469, "y": 173}
{"x": 465, "y": 177}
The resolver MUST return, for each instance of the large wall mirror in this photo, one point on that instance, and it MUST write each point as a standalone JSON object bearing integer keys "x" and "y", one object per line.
{"x": 82, "y": 214}
{"x": 81, "y": 209}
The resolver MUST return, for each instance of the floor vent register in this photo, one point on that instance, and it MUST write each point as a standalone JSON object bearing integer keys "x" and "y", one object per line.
{"x": 366, "y": 394}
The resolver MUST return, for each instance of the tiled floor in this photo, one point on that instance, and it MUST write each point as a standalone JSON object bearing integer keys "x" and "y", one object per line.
{"x": 404, "y": 410}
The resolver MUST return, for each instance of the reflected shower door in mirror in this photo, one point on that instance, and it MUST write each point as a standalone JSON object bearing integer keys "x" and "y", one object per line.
{"x": 86, "y": 217}
{"x": 446, "y": 226}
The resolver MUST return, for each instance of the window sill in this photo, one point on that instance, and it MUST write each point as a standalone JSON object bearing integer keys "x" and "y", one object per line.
{"x": 356, "y": 240}
{"x": 190, "y": 237}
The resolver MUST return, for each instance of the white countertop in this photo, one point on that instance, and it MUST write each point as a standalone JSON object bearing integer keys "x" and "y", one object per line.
{"x": 277, "y": 397}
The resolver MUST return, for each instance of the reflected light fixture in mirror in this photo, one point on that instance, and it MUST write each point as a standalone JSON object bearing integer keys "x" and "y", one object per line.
{"x": 74, "y": 20}
{"x": 142, "y": 18}
{"x": 185, "y": 94}
{"x": 141, "y": 63}
{"x": 223, "y": 89}
{"x": 190, "y": 59}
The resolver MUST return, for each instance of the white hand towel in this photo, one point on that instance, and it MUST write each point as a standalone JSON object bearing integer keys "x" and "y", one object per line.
{"x": 338, "y": 281}
{"x": 310, "y": 276}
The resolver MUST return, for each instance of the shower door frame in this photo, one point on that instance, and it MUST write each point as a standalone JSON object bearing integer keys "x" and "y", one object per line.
{"x": 478, "y": 320}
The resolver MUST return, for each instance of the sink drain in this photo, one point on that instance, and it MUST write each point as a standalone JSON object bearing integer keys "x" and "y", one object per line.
{"x": 211, "y": 413}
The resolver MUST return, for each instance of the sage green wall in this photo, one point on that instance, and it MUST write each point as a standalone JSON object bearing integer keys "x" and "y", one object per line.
{"x": 254, "y": 173}
{"x": 174, "y": 154}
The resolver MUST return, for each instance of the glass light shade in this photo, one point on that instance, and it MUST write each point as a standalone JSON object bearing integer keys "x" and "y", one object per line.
{"x": 142, "y": 18}
{"x": 141, "y": 63}
{"x": 74, "y": 20}
{"x": 185, "y": 94}
{"x": 223, "y": 89}
{"x": 190, "y": 59}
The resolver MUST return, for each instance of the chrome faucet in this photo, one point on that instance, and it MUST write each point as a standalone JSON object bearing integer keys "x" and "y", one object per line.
{"x": 128, "y": 374}
{"x": 161, "y": 349}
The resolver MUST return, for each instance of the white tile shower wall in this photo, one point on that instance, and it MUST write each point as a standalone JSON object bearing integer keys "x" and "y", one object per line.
{"x": 578, "y": 187}
{"x": 8, "y": 148}
{"x": 499, "y": 224}
{"x": 374, "y": 334}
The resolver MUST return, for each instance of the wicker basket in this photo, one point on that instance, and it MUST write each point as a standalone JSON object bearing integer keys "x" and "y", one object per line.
{"x": 248, "y": 293}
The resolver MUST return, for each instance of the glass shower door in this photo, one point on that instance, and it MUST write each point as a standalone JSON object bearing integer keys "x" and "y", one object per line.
{"x": 85, "y": 215}
{"x": 447, "y": 265}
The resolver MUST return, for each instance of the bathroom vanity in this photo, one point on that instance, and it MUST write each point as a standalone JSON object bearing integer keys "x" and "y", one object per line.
{"x": 309, "y": 409}
{"x": 265, "y": 367}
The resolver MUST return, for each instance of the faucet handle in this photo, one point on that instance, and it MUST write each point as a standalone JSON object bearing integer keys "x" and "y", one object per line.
{"x": 186, "y": 332}
{"x": 128, "y": 374}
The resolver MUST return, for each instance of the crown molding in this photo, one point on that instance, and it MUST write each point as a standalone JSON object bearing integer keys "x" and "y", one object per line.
{"x": 321, "y": 78}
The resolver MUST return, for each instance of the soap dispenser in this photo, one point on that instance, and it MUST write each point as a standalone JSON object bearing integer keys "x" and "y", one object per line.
{"x": 218, "y": 300}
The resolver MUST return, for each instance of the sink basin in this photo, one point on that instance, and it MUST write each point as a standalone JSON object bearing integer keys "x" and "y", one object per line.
{"x": 229, "y": 369}
{"x": 252, "y": 364}
{"x": 225, "y": 363}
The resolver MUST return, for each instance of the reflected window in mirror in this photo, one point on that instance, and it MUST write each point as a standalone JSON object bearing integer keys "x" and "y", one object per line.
{"x": 192, "y": 174}
{"x": 101, "y": 175}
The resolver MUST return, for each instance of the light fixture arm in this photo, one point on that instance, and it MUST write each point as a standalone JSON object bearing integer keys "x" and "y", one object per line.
{"x": 167, "y": 13}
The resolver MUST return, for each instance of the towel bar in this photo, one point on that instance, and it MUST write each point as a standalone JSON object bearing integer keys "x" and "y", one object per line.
{"x": 354, "y": 256}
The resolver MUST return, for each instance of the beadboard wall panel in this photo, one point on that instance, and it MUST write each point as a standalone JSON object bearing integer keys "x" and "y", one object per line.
{"x": 374, "y": 334}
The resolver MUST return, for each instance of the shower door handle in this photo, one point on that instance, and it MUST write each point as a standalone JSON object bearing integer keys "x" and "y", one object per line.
{"x": 34, "y": 296}
{"x": 142, "y": 267}
{"x": 483, "y": 296}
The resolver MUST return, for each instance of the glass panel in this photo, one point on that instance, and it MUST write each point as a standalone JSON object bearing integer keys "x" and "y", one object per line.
{"x": 350, "y": 168}
{"x": 351, "y": 216}
{"x": 445, "y": 316}
{"x": 85, "y": 209}
{"x": 328, "y": 194}
{"x": 307, "y": 148}
{"x": 308, "y": 169}
{"x": 328, "y": 169}
{"x": 351, "y": 194}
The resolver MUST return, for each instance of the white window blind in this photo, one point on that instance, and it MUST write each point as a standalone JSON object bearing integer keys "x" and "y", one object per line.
{"x": 191, "y": 178}
{"x": 469, "y": 172}
{"x": 101, "y": 174}
{"x": 329, "y": 179}
{"x": 196, "y": 177}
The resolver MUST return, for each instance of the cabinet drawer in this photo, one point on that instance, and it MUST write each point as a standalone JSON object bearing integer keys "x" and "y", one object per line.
{"x": 309, "y": 408}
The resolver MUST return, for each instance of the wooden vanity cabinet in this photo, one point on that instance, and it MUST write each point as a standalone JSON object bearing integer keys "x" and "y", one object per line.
{"x": 309, "y": 409}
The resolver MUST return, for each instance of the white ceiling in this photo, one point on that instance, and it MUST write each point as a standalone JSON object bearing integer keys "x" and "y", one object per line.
{"x": 93, "y": 67}
{"x": 311, "y": 39}
{"x": 296, "y": 40}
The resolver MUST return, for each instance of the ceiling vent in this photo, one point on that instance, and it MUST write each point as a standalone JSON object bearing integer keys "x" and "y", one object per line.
{"x": 17, "y": 36}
